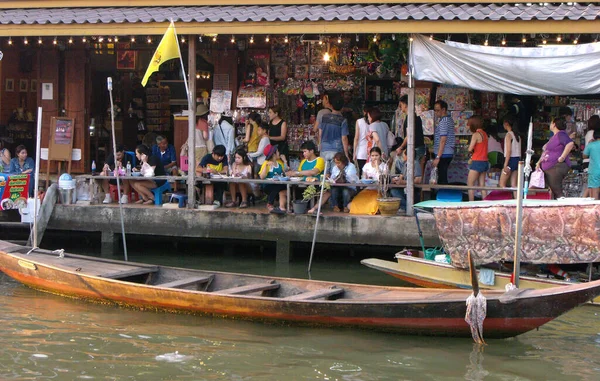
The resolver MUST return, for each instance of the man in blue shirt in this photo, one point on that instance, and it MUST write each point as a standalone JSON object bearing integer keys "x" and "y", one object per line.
{"x": 166, "y": 153}
{"x": 443, "y": 141}
{"x": 333, "y": 131}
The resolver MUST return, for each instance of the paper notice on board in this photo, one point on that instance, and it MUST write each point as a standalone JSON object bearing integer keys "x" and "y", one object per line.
{"x": 47, "y": 91}
{"x": 220, "y": 100}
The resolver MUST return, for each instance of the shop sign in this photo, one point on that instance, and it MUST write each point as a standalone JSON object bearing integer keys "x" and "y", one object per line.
{"x": 13, "y": 191}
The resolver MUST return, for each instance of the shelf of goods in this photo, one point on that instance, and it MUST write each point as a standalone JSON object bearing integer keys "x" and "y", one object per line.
{"x": 158, "y": 109}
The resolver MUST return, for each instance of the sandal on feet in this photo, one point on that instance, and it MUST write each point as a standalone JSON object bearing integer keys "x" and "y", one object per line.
{"x": 140, "y": 201}
{"x": 244, "y": 204}
{"x": 346, "y": 210}
{"x": 336, "y": 209}
{"x": 230, "y": 204}
{"x": 270, "y": 207}
{"x": 148, "y": 202}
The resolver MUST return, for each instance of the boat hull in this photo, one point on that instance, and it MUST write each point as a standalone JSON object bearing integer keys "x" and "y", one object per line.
{"x": 404, "y": 310}
{"x": 427, "y": 273}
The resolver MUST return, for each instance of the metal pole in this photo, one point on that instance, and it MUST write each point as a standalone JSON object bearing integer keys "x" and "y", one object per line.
{"x": 36, "y": 180}
{"x": 114, "y": 141}
{"x": 191, "y": 189}
{"x": 312, "y": 248}
{"x": 410, "y": 136}
{"x": 518, "y": 226}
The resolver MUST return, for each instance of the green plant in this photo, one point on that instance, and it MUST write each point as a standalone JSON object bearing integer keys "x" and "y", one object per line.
{"x": 311, "y": 192}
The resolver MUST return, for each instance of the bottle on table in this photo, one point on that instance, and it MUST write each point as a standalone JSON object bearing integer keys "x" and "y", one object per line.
{"x": 93, "y": 166}
{"x": 128, "y": 169}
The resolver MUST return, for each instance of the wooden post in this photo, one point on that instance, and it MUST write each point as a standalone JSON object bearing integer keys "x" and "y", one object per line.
{"x": 191, "y": 191}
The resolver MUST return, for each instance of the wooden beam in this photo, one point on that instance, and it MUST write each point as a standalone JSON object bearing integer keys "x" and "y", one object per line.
{"x": 187, "y": 281}
{"x": 316, "y": 294}
{"x": 130, "y": 272}
{"x": 308, "y": 28}
{"x": 161, "y": 3}
{"x": 248, "y": 289}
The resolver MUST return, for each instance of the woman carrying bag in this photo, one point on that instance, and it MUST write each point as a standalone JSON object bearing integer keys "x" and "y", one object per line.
{"x": 555, "y": 158}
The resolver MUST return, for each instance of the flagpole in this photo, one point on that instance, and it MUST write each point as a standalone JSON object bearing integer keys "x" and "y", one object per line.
{"x": 187, "y": 89}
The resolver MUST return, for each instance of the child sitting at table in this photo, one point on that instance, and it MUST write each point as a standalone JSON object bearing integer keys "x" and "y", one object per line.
{"x": 365, "y": 202}
{"x": 240, "y": 168}
{"x": 214, "y": 163}
{"x": 343, "y": 172}
{"x": 274, "y": 166}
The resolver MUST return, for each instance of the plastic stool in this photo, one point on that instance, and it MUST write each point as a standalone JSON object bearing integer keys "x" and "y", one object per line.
{"x": 133, "y": 195}
{"x": 181, "y": 198}
{"x": 166, "y": 187}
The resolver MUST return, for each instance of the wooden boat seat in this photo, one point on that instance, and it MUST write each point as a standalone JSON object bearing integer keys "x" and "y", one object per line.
{"x": 316, "y": 294}
{"x": 249, "y": 288}
{"x": 180, "y": 283}
{"x": 131, "y": 271}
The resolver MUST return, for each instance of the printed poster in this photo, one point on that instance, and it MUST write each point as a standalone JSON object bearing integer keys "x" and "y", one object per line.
{"x": 460, "y": 122}
{"x": 220, "y": 101}
{"x": 14, "y": 190}
{"x": 252, "y": 97}
{"x": 457, "y": 98}
{"x": 428, "y": 122}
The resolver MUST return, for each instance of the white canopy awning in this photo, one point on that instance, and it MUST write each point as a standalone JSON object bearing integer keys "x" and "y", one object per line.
{"x": 552, "y": 70}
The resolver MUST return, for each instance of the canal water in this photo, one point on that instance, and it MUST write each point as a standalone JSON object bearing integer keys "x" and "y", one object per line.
{"x": 44, "y": 336}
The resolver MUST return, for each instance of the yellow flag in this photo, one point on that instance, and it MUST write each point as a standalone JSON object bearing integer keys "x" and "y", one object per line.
{"x": 166, "y": 50}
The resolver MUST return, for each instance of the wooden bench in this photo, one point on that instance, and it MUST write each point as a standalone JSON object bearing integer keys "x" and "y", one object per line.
{"x": 249, "y": 288}
{"x": 132, "y": 271}
{"x": 180, "y": 283}
{"x": 316, "y": 294}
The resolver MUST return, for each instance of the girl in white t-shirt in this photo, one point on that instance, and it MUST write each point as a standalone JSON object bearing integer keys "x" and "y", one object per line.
{"x": 241, "y": 168}
{"x": 512, "y": 152}
{"x": 366, "y": 201}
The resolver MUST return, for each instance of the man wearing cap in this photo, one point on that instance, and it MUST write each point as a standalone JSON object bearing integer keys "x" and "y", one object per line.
{"x": 201, "y": 136}
{"x": 273, "y": 166}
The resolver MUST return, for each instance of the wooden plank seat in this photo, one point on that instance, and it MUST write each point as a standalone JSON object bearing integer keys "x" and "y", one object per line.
{"x": 249, "y": 288}
{"x": 131, "y": 271}
{"x": 316, "y": 294}
{"x": 180, "y": 283}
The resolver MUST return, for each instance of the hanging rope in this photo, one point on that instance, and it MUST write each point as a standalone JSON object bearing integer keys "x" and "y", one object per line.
{"x": 476, "y": 306}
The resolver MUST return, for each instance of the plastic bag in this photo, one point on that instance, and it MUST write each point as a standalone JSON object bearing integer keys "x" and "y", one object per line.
{"x": 147, "y": 170}
{"x": 537, "y": 179}
{"x": 433, "y": 178}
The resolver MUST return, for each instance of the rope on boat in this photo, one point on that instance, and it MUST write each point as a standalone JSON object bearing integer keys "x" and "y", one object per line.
{"x": 60, "y": 252}
{"x": 476, "y": 311}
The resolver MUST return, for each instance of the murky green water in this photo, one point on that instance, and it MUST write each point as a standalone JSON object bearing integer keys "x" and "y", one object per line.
{"x": 44, "y": 336}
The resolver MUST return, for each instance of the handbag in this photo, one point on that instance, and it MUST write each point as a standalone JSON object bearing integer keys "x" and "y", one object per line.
{"x": 537, "y": 179}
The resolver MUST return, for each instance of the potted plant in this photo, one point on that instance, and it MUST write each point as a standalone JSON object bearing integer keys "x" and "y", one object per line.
{"x": 388, "y": 206}
{"x": 311, "y": 192}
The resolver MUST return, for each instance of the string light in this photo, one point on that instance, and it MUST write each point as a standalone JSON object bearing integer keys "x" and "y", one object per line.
{"x": 576, "y": 40}
{"x": 25, "y": 41}
{"x": 485, "y": 43}
{"x": 320, "y": 40}
{"x": 116, "y": 39}
{"x": 132, "y": 39}
{"x": 326, "y": 57}
{"x": 54, "y": 42}
{"x": 109, "y": 39}
{"x": 411, "y": 39}
{"x": 252, "y": 39}
{"x": 558, "y": 38}
{"x": 149, "y": 40}
{"x": 197, "y": 76}
{"x": 215, "y": 38}
{"x": 544, "y": 41}
{"x": 394, "y": 37}
{"x": 503, "y": 42}
{"x": 232, "y": 39}
{"x": 70, "y": 40}
{"x": 375, "y": 38}
{"x": 9, "y": 41}
{"x": 524, "y": 39}
{"x": 40, "y": 41}
{"x": 267, "y": 38}
{"x": 286, "y": 39}
{"x": 357, "y": 39}
{"x": 340, "y": 39}
{"x": 100, "y": 39}
{"x": 431, "y": 37}
{"x": 183, "y": 40}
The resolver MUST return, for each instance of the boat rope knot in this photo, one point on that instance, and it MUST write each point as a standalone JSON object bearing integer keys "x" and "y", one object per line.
{"x": 476, "y": 311}
{"x": 60, "y": 252}
{"x": 510, "y": 287}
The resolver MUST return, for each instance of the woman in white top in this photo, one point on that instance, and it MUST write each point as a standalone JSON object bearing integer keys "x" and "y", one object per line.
{"x": 360, "y": 141}
{"x": 512, "y": 152}
{"x": 224, "y": 134}
{"x": 241, "y": 168}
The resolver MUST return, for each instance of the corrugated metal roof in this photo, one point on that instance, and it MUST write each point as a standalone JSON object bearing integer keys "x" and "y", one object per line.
{"x": 274, "y": 13}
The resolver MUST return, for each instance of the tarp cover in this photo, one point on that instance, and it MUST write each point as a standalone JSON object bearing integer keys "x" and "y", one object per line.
{"x": 552, "y": 70}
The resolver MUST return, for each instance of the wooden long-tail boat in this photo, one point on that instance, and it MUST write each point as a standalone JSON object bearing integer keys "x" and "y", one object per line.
{"x": 428, "y": 273}
{"x": 404, "y": 310}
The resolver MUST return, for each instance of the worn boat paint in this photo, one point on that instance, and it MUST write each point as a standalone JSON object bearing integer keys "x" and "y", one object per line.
{"x": 404, "y": 310}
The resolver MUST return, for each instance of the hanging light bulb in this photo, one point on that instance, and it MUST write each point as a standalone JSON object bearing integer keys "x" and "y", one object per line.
{"x": 109, "y": 39}
{"x": 25, "y": 41}
{"x": 197, "y": 75}
{"x": 54, "y": 42}
{"x": 232, "y": 39}
{"x": 100, "y": 39}
{"x": 40, "y": 41}
{"x": 375, "y": 38}
{"x": 252, "y": 39}
{"x": 357, "y": 38}
{"x": 544, "y": 41}
{"x": 485, "y": 43}
{"x": 70, "y": 40}
{"x": 267, "y": 38}
{"x": 411, "y": 39}
{"x": 9, "y": 41}
{"x": 394, "y": 37}
{"x": 524, "y": 40}
{"x": 183, "y": 39}
{"x": 320, "y": 40}
{"x": 558, "y": 38}
{"x": 340, "y": 39}
{"x": 575, "y": 41}
{"x": 431, "y": 37}
{"x": 326, "y": 57}
{"x": 215, "y": 38}
{"x": 285, "y": 39}
{"x": 503, "y": 41}
{"x": 149, "y": 40}
{"x": 116, "y": 39}
{"x": 132, "y": 39}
